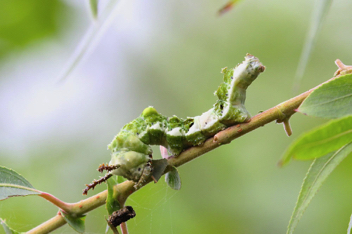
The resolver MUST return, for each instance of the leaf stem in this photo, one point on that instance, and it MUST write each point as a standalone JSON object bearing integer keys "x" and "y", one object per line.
{"x": 57, "y": 202}
{"x": 123, "y": 227}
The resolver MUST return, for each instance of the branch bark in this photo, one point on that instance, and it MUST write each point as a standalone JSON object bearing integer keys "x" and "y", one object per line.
{"x": 281, "y": 112}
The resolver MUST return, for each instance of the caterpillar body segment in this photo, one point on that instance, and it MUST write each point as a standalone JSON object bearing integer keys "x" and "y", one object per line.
{"x": 131, "y": 147}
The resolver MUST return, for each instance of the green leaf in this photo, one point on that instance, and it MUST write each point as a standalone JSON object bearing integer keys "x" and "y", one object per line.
{"x": 7, "y": 229}
{"x": 321, "y": 9}
{"x": 30, "y": 22}
{"x": 320, "y": 141}
{"x": 120, "y": 179}
{"x": 159, "y": 166}
{"x": 319, "y": 170}
{"x": 112, "y": 204}
{"x": 13, "y": 184}
{"x": 77, "y": 223}
{"x": 173, "y": 179}
{"x": 93, "y": 6}
{"x": 331, "y": 100}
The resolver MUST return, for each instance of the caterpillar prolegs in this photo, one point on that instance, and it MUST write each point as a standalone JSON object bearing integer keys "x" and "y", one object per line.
{"x": 131, "y": 148}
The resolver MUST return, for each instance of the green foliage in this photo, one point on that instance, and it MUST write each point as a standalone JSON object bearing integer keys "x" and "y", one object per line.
{"x": 321, "y": 141}
{"x": 120, "y": 179}
{"x": 77, "y": 223}
{"x": 173, "y": 179}
{"x": 13, "y": 184}
{"x": 112, "y": 204}
{"x": 93, "y": 6}
{"x": 7, "y": 229}
{"x": 23, "y": 22}
{"x": 331, "y": 100}
{"x": 319, "y": 170}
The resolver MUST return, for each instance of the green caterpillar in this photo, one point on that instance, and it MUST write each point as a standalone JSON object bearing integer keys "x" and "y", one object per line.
{"x": 131, "y": 151}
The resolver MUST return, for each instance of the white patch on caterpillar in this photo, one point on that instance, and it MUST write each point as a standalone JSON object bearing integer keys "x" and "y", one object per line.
{"x": 157, "y": 126}
{"x": 207, "y": 119}
{"x": 176, "y": 132}
{"x": 195, "y": 127}
{"x": 239, "y": 71}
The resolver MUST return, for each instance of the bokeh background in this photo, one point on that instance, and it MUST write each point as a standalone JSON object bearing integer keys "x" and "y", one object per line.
{"x": 167, "y": 54}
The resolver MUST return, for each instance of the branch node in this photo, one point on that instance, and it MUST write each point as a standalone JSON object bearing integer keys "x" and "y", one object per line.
{"x": 343, "y": 69}
{"x": 284, "y": 119}
{"x": 287, "y": 127}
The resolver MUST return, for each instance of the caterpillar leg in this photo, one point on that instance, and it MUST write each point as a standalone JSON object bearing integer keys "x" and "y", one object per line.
{"x": 95, "y": 183}
{"x": 146, "y": 174}
{"x": 104, "y": 167}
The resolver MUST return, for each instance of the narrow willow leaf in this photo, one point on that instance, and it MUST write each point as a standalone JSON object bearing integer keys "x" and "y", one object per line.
{"x": 93, "y": 6}
{"x": 89, "y": 40}
{"x": 349, "y": 226}
{"x": 7, "y": 229}
{"x": 331, "y": 100}
{"x": 228, "y": 7}
{"x": 77, "y": 223}
{"x": 13, "y": 184}
{"x": 320, "y": 141}
{"x": 319, "y": 170}
{"x": 173, "y": 179}
{"x": 159, "y": 166}
{"x": 321, "y": 9}
{"x": 111, "y": 203}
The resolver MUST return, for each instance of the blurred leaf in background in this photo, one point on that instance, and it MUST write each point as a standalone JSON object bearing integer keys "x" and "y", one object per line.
{"x": 23, "y": 22}
{"x": 227, "y": 7}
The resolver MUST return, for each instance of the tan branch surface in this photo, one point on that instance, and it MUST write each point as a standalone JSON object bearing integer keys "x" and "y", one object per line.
{"x": 280, "y": 113}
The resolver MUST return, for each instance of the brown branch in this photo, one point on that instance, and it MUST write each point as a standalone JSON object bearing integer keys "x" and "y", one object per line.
{"x": 84, "y": 206}
{"x": 57, "y": 202}
{"x": 126, "y": 188}
{"x": 224, "y": 137}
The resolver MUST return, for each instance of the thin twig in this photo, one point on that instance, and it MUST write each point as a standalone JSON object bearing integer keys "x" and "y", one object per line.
{"x": 123, "y": 227}
{"x": 57, "y": 202}
{"x": 126, "y": 188}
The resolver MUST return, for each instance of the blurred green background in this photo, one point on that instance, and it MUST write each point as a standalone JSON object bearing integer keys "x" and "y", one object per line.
{"x": 167, "y": 54}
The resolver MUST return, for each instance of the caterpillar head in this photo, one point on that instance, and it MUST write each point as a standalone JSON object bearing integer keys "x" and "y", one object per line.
{"x": 132, "y": 165}
{"x": 247, "y": 71}
{"x": 129, "y": 164}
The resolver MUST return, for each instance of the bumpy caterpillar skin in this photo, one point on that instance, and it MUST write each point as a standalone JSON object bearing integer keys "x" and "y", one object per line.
{"x": 131, "y": 147}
